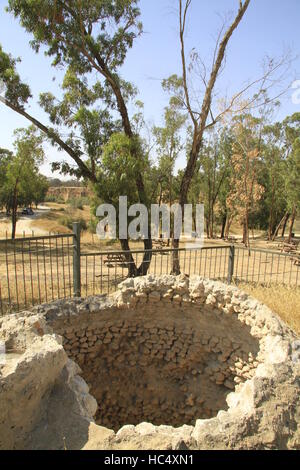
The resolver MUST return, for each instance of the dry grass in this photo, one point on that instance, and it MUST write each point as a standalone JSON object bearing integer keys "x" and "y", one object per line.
{"x": 40, "y": 283}
{"x": 285, "y": 301}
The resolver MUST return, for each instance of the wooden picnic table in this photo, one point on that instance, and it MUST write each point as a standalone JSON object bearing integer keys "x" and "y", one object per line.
{"x": 161, "y": 242}
{"x": 115, "y": 259}
{"x": 158, "y": 246}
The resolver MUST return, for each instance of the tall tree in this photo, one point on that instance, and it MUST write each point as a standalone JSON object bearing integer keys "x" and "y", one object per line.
{"x": 273, "y": 155}
{"x": 22, "y": 174}
{"x": 198, "y": 118}
{"x": 201, "y": 106}
{"x": 292, "y": 138}
{"x": 88, "y": 38}
{"x": 245, "y": 188}
{"x": 168, "y": 145}
{"x": 215, "y": 164}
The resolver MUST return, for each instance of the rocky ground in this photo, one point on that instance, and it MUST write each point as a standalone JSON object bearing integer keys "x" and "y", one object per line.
{"x": 45, "y": 402}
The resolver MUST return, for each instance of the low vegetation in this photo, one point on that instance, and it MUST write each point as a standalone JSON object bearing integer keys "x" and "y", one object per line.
{"x": 285, "y": 301}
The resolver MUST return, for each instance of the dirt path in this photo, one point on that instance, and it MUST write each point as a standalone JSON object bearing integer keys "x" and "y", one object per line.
{"x": 24, "y": 224}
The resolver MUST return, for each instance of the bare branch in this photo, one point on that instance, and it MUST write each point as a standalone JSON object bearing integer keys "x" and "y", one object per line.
{"x": 215, "y": 71}
{"x": 201, "y": 123}
{"x": 254, "y": 102}
{"x": 82, "y": 166}
{"x": 182, "y": 20}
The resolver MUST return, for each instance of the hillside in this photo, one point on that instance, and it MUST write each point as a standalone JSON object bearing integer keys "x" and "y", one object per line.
{"x": 67, "y": 193}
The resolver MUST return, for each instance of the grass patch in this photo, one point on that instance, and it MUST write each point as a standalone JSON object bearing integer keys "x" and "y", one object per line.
{"x": 285, "y": 301}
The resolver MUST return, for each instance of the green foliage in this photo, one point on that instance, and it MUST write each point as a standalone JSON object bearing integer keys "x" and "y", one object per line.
{"x": 16, "y": 92}
{"x": 22, "y": 184}
{"x": 54, "y": 198}
{"x": 169, "y": 144}
{"x": 109, "y": 27}
{"x": 79, "y": 203}
{"x": 76, "y": 203}
{"x": 292, "y": 171}
{"x": 90, "y": 39}
{"x": 67, "y": 221}
{"x": 119, "y": 168}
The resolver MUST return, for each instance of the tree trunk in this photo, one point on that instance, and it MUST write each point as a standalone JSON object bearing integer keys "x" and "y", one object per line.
{"x": 271, "y": 224}
{"x": 210, "y": 233}
{"x": 284, "y": 221}
{"x": 244, "y": 232}
{"x": 14, "y": 210}
{"x": 285, "y": 224}
{"x": 227, "y": 227}
{"x": 13, "y": 223}
{"x": 133, "y": 269}
{"x": 246, "y": 239}
{"x": 175, "y": 258}
{"x": 293, "y": 218}
{"x": 224, "y": 221}
{"x": 207, "y": 226}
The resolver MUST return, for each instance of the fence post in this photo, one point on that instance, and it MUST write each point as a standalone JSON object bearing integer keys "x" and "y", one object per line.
{"x": 230, "y": 264}
{"x": 76, "y": 260}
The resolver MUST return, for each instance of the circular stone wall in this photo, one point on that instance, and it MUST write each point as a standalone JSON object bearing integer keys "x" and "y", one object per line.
{"x": 162, "y": 363}
{"x": 202, "y": 362}
{"x": 169, "y": 354}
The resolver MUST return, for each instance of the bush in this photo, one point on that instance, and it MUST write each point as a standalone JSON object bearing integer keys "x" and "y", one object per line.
{"x": 53, "y": 198}
{"x": 92, "y": 225}
{"x": 75, "y": 203}
{"x": 67, "y": 221}
{"x": 78, "y": 203}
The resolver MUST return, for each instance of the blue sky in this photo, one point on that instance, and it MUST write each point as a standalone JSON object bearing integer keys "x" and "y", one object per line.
{"x": 268, "y": 28}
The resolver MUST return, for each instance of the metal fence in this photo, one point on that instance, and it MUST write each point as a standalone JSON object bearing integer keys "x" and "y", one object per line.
{"x": 35, "y": 270}
{"x": 266, "y": 267}
{"x": 101, "y": 275}
{"x": 224, "y": 263}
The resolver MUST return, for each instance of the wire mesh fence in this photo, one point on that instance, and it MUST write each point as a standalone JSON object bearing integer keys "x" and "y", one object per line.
{"x": 35, "y": 270}
{"x": 265, "y": 267}
{"x": 102, "y": 272}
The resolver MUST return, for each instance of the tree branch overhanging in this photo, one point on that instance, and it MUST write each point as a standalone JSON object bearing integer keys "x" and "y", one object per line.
{"x": 86, "y": 172}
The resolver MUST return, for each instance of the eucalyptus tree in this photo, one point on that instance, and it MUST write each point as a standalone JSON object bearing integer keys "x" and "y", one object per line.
{"x": 215, "y": 168}
{"x": 168, "y": 144}
{"x": 21, "y": 178}
{"x": 292, "y": 175}
{"x": 89, "y": 39}
{"x": 195, "y": 89}
{"x": 5, "y": 158}
{"x": 199, "y": 115}
{"x": 274, "y": 163}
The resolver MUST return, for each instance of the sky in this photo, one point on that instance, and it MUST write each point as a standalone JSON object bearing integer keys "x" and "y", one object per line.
{"x": 269, "y": 28}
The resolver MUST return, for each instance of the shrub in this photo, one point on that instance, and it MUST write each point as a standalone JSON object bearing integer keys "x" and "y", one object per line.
{"x": 75, "y": 203}
{"x": 53, "y": 198}
{"x": 78, "y": 203}
{"x": 92, "y": 225}
{"x": 67, "y": 221}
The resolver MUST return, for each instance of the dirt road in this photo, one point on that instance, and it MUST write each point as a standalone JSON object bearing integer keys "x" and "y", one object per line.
{"x": 24, "y": 224}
